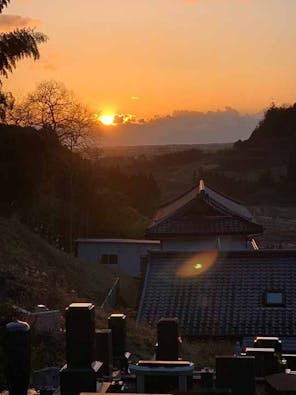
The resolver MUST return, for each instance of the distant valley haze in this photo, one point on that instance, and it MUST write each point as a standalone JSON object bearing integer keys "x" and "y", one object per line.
{"x": 183, "y": 127}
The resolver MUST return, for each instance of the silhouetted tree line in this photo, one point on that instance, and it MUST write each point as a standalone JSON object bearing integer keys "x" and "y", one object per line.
{"x": 271, "y": 143}
{"x": 141, "y": 188}
{"x": 277, "y": 122}
{"x": 178, "y": 157}
{"x": 63, "y": 196}
{"x": 149, "y": 165}
{"x": 265, "y": 187}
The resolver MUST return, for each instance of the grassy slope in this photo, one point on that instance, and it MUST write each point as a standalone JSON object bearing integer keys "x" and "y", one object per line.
{"x": 32, "y": 272}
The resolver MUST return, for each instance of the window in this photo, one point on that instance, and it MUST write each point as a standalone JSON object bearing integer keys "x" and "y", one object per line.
{"x": 109, "y": 259}
{"x": 274, "y": 298}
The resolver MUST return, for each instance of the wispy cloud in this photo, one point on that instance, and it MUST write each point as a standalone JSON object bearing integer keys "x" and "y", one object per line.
{"x": 9, "y": 22}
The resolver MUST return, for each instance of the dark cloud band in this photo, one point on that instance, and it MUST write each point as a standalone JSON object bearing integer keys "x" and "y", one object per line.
{"x": 185, "y": 127}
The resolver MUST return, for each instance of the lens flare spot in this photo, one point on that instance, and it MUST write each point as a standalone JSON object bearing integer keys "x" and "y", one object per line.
{"x": 197, "y": 264}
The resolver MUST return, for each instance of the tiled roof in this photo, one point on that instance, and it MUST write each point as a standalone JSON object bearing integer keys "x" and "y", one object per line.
{"x": 202, "y": 212}
{"x": 217, "y": 225}
{"x": 222, "y": 296}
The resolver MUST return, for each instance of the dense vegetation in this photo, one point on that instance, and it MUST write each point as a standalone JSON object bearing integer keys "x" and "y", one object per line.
{"x": 273, "y": 140}
{"x": 62, "y": 196}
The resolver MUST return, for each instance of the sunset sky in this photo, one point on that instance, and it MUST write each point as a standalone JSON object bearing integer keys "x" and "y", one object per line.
{"x": 154, "y": 57}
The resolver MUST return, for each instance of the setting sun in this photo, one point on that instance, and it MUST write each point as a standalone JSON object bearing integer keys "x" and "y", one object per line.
{"x": 107, "y": 119}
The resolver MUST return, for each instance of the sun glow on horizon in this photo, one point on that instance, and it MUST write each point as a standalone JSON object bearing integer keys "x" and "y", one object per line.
{"x": 107, "y": 120}
{"x": 114, "y": 119}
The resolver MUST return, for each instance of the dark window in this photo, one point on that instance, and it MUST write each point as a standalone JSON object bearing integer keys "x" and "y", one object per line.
{"x": 109, "y": 259}
{"x": 113, "y": 259}
{"x": 274, "y": 298}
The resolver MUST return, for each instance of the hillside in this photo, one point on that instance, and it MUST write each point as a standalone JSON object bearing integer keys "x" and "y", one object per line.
{"x": 273, "y": 140}
{"x": 33, "y": 272}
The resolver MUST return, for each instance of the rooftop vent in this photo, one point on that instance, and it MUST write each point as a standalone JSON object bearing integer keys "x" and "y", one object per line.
{"x": 201, "y": 187}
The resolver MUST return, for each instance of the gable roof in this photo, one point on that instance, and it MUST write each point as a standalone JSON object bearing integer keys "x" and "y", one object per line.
{"x": 202, "y": 211}
{"x": 221, "y": 295}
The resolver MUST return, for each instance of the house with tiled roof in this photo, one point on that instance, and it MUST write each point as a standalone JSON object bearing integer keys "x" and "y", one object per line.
{"x": 211, "y": 278}
{"x": 200, "y": 219}
{"x": 204, "y": 219}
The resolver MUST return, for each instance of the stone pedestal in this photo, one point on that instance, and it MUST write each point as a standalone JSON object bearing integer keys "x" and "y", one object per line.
{"x": 75, "y": 381}
{"x": 236, "y": 373}
{"x": 103, "y": 350}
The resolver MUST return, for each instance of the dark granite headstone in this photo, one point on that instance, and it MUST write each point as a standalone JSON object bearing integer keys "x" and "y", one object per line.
{"x": 75, "y": 381}
{"x": 17, "y": 357}
{"x": 266, "y": 360}
{"x": 207, "y": 378}
{"x": 268, "y": 342}
{"x": 103, "y": 350}
{"x": 80, "y": 374}
{"x": 290, "y": 361}
{"x": 46, "y": 379}
{"x": 80, "y": 335}
{"x": 167, "y": 339}
{"x": 236, "y": 373}
{"x": 117, "y": 323}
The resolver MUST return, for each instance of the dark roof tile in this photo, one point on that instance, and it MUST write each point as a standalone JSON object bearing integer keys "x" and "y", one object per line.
{"x": 202, "y": 213}
{"x": 226, "y": 297}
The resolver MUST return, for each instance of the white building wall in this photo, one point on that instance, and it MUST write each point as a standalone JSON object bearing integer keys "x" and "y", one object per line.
{"x": 223, "y": 243}
{"x": 233, "y": 243}
{"x": 200, "y": 244}
{"x": 129, "y": 255}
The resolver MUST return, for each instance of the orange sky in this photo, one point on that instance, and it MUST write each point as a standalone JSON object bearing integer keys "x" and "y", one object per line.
{"x": 151, "y": 57}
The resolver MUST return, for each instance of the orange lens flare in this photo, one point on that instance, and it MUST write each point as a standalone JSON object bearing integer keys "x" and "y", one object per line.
{"x": 197, "y": 264}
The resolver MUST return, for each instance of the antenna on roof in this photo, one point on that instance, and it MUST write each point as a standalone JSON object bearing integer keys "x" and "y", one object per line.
{"x": 201, "y": 187}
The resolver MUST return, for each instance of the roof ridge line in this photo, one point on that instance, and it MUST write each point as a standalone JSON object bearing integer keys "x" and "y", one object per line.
{"x": 219, "y": 205}
{"x": 226, "y": 196}
{"x": 166, "y": 203}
